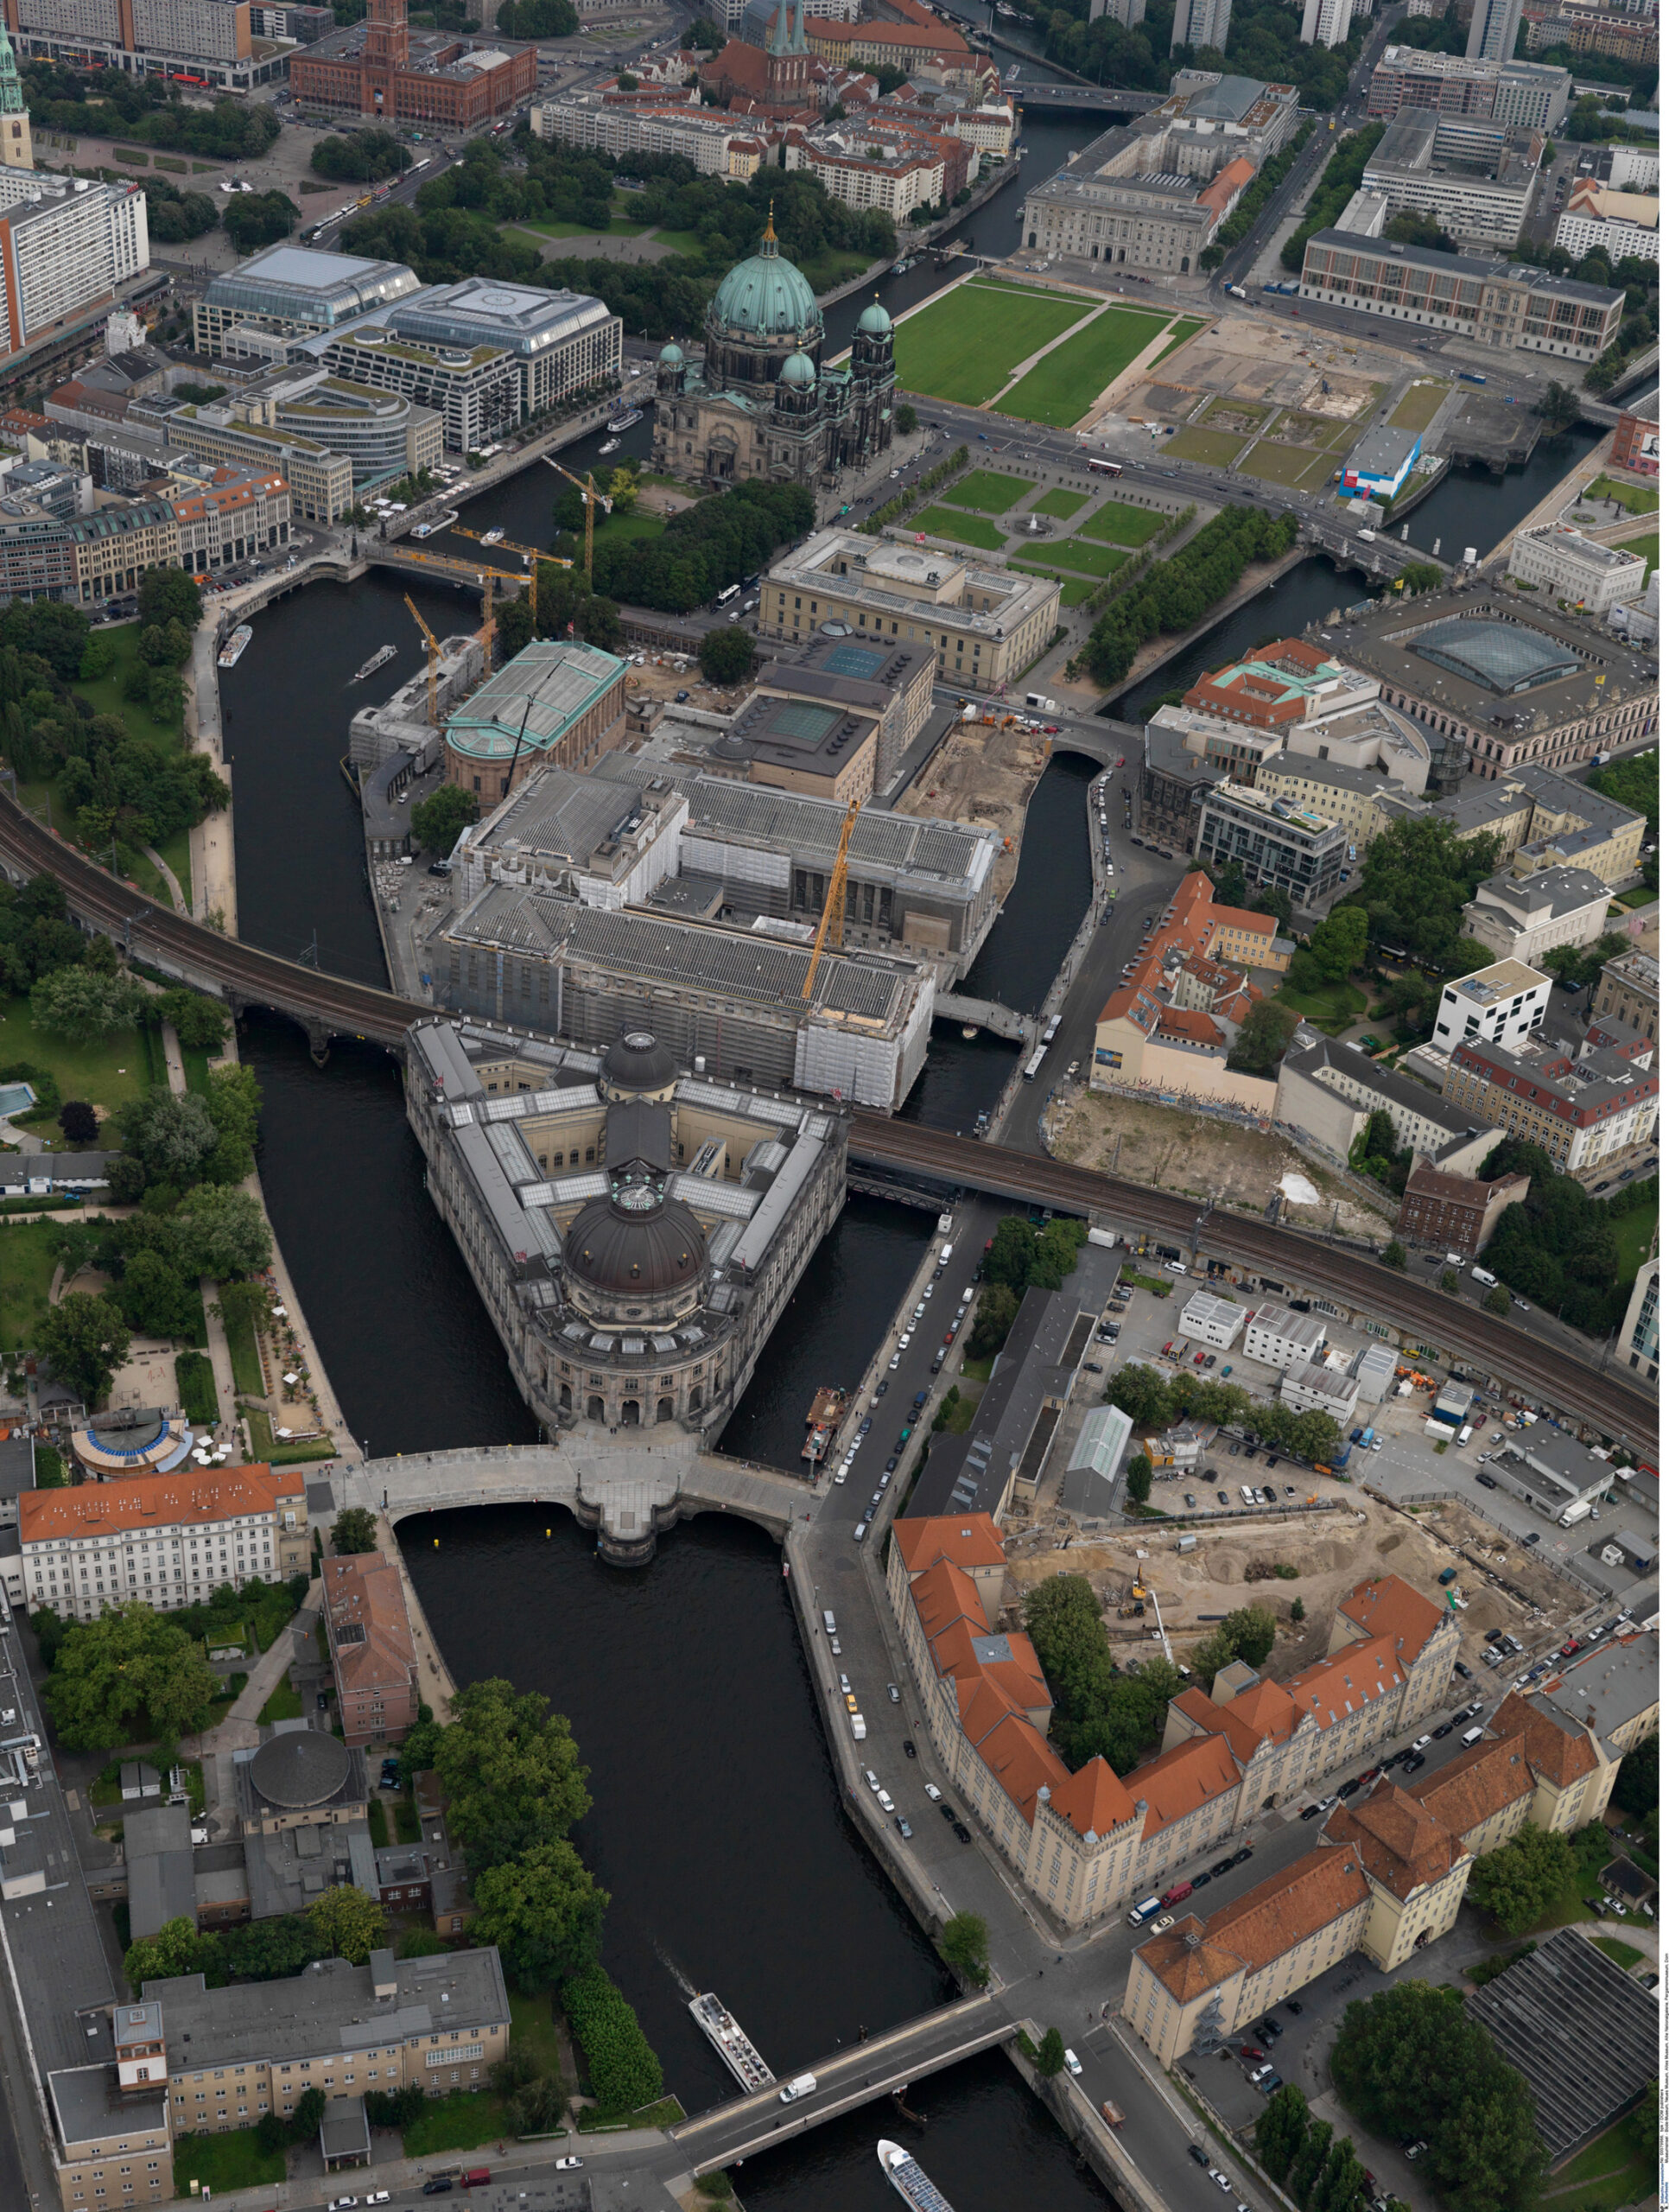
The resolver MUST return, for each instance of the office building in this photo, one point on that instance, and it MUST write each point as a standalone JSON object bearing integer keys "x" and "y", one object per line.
{"x": 111, "y": 548}
{"x": 371, "y": 1652}
{"x": 1637, "y": 1338}
{"x": 985, "y": 624}
{"x": 1626, "y": 997}
{"x": 1516, "y": 685}
{"x": 1492, "y": 35}
{"x": 561, "y": 343}
{"x": 1277, "y": 1337}
{"x": 1498, "y": 1005}
{"x": 557, "y": 703}
{"x": 384, "y": 434}
{"x": 293, "y": 291}
{"x": 1202, "y": 23}
{"x": 1520, "y": 917}
{"x": 1275, "y": 843}
{"x": 1362, "y": 803}
{"x": 1480, "y": 194}
{"x": 1210, "y": 1320}
{"x": 165, "y": 1539}
{"x": 1171, "y": 784}
{"x": 1560, "y": 560}
{"x": 1583, "y": 1108}
{"x": 475, "y": 396}
{"x": 1327, "y": 1091}
{"x": 1448, "y": 1212}
{"x": 320, "y": 481}
{"x": 37, "y": 558}
{"x": 1326, "y": 23}
{"x": 764, "y": 403}
{"x": 1510, "y": 308}
{"x": 381, "y": 68}
{"x": 230, "y": 515}
{"x": 635, "y": 1232}
{"x": 1522, "y": 95}
{"x": 1623, "y": 225}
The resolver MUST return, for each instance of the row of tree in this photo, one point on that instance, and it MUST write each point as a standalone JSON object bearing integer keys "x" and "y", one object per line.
{"x": 1337, "y": 185}
{"x": 1558, "y": 1247}
{"x": 1317, "y": 2172}
{"x": 1157, "y": 1401}
{"x": 1173, "y": 595}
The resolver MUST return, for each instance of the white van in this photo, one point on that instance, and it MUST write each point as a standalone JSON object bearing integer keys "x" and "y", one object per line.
{"x": 860, "y": 1532}
{"x": 801, "y": 2086}
{"x": 1465, "y": 1433}
{"x": 859, "y": 1729}
{"x": 944, "y": 1256}
{"x": 828, "y": 1622}
{"x": 1247, "y": 1497}
{"x": 1483, "y": 1275}
{"x": 1472, "y": 1736}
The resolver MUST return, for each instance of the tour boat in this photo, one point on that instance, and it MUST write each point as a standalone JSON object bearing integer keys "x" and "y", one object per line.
{"x": 380, "y": 658}
{"x": 493, "y": 537}
{"x": 620, "y": 422}
{"x": 440, "y": 521}
{"x": 822, "y": 1419}
{"x": 724, "y": 2033}
{"x": 232, "y": 651}
{"x": 907, "y": 2178}
{"x": 609, "y": 445}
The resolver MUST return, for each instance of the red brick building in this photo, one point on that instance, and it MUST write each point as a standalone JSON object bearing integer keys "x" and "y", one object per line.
{"x": 1634, "y": 444}
{"x": 1456, "y": 1211}
{"x": 379, "y": 71}
{"x": 371, "y": 1647}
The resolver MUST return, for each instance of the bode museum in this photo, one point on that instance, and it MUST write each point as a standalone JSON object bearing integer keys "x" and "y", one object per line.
{"x": 763, "y": 403}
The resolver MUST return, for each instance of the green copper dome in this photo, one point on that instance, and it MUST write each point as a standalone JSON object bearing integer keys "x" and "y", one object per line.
{"x": 672, "y": 355}
{"x": 875, "y": 319}
{"x": 798, "y": 369}
{"x": 765, "y": 296}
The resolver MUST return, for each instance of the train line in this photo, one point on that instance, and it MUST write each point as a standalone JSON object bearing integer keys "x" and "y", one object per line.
{"x": 330, "y": 1006}
{"x": 1613, "y": 1400}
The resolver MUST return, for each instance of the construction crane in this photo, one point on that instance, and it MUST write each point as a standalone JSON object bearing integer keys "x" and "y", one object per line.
{"x": 434, "y": 644}
{"x": 834, "y": 905}
{"x": 593, "y": 499}
{"x": 529, "y": 554}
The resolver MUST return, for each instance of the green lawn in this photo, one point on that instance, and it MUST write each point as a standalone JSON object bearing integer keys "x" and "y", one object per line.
{"x": 1089, "y": 559}
{"x": 828, "y": 270}
{"x": 617, "y": 228}
{"x": 532, "y": 2022}
{"x": 25, "y": 1272}
{"x": 1120, "y": 524}
{"x": 1621, "y": 1955}
{"x": 246, "y": 1375}
{"x": 1180, "y": 336}
{"x": 1333, "y": 1007}
{"x": 966, "y": 344}
{"x": 965, "y": 530}
{"x": 104, "y": 696}
{"x": 1066, "y": 384}
{"x": 460, "y": 2122}
{"x": 1216, "y": 448}
{"x": 1419, "y": 405}
{"x": 1638, "y": 499}
{"x": 1288, "y": 465}
{"x": 1607, "y": 2174}
{"x": 1074, "y": 589}
{"x": 680, "y": 241}
{"x": 1060, "y": 503}
{"x": 284, "y": 1704}
{"x": 224, "y": 2162}
{"x": 665, "y": 2114}
{"x": 106, "y": 1073}
{"x": 1647, "y": 547}
{"x": 987, "y": 491}
{"x": 1631, "y": 1233}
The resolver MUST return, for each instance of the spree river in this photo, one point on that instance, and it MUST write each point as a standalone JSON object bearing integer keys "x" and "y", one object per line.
{"x": 715, "y": 1825}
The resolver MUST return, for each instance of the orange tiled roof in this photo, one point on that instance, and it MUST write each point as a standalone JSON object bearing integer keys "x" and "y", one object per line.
{"x": 1387, "y": 1605}
{"x": 943, "y": 1596}
{"x": 1022, "y": 1762}
{"x": 150, "y": 1500}
{"x": 1269, "y": 1920}
{"x": 364, "y": 1592}
{"x": 1094, "y": 1799}
{"x": 1358, "y": 1674}
{"x": 1220, "y": 193}
{"x": 968, "y": 1539}
{"x": 1471, "y": 1787}
{"x": 1559, "y": 1746}
{"x": 1268, "y": 1707}
{"x": 1186, "y": 1962}
{"x": 1180, "y": 1780}
{"x": 1402, "y": 1845}
{"x": 1188, "y": 1021}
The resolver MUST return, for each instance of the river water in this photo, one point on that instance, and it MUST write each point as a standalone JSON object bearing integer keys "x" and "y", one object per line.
{"x": 715, "y": 1825}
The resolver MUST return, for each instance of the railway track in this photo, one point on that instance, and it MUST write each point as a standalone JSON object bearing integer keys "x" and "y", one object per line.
{"x": 330, "y": 1006}
{"x": 1613, "y": 1400}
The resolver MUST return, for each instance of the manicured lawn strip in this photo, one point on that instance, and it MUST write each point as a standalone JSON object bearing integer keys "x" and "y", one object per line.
{"x": 1604, "y": 2175}
{"x": 828, "y": 270}
{"x": 25, "y": 1272}
{"x": 1098, "y": 560}
{"x": 1638, "y": 499}
{"x": 1289, "y": 465}
{"x": 679, "y": 241}
{"x": 989, "y": 491}
{"x": 964, "y": 530}
{"x": 224, "y": 2162}
{"x": 247, "y": 1377}
{"x": 1332, "y": 1007}
{"x": 1060, "y": 503}
{"x": 1075, "y": 589}
{"x": 1066, "y": 383}
{"x": 1119, "y": 523}
{"x": 966, "y": 346}
{"x": 1180, "y": 336}
{"x": 1631, "y": 1233}
{"x": 617, "y": 228}
{"x": 533, "y": 2022}
{"x": 284, "y": 1704}
{"x": 1217, "y": 449}
{"x": 1418, "y": 404}
{"x": 667, "y": 2113}
{"x": 1647, "y": 547}
{"x": 1621, "y": 1955}
{"x": 460, "y": 2122}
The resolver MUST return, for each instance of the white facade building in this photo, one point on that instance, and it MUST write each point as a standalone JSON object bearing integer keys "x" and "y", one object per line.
{"x": 718, "y": 145}
{"x": 1213, "y": 1321}
{"x": 1326, "y": 23}
{"x": 65, "y": 244}
{"x": 1561, "y": 560}
{"x": 1498, "y": 1005}
{"x": 1277, "y": 1337}
{"x": 1579, "y": 233}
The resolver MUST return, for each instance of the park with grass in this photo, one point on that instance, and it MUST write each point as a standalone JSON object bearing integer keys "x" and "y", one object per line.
{"x": 988, "y": 509}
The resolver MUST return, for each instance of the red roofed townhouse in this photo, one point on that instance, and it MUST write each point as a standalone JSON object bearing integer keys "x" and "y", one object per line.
{"x": 371, "y": 1647}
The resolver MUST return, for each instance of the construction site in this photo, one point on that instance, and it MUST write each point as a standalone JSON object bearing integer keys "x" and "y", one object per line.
{"x": 984, "y": 774}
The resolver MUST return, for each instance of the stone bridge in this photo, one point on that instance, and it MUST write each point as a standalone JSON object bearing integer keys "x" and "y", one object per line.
{"x": 629, "y": 1485}
{"x": 985, "y": 1013}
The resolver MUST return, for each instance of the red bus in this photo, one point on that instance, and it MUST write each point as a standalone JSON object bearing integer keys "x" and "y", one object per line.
{"x": 1099, "y": 467}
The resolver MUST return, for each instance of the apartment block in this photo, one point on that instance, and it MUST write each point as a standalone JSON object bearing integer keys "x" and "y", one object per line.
{"x": 1522, "y": 918}
{"x": 716, "y": 144}
{"x": 1498, "y": 1005}
{"x": 1626, "y": 994}
{"x": 1455, "y": 1213}
{"x": 232, "y": 514}
{"x": 1637, "y": 1338}
{"x": 1525, "y": 95}
{"x": 371, "y": 1650}
{"x": 167, "y": 1539}
{"x": 1582, "y": 1107}
{"x": 1292, "y": 846}
{"x": 67, "y": 245}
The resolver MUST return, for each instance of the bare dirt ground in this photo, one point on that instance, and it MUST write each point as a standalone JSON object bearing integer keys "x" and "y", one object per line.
{"x": 984, "y": 775}
{"x": 1197, "y": 1157}
{"x": 1233, "y": 1566}
{"x": 1259, "y": 361}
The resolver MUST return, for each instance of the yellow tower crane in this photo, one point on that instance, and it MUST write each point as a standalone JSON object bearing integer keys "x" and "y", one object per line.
{"x": 834, "y": 905}
{"x": 593, "y": 499}
{"x": 529, "y": 554}
{"x": 434, "y": 644}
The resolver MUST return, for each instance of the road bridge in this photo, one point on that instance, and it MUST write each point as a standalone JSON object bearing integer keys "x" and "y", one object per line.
{"x": 985, "y": 1013}
{"x": 1108, "y": 99}
{"x": 854, "y": 2075}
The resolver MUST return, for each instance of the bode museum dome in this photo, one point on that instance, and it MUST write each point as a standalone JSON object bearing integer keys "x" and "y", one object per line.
{"x": 762, "y": 404}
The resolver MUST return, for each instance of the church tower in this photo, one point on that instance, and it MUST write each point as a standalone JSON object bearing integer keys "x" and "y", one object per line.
{"x": 387, "y": 52}
{"x": 16, "y": 150}
{"x": 788, "y": 57}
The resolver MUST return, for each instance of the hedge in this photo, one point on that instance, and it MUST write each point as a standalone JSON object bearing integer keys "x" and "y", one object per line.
{"x": 625, "y": 2072}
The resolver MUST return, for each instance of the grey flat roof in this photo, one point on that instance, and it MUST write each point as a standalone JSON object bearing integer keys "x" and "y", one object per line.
{"x": 331, "y": 2007}
{"x": 1613, "y": 1682}
{"x": 1582, "y": 2032}
{"x": 1309, "y": 1053}
{"x": 90, "y": 2106}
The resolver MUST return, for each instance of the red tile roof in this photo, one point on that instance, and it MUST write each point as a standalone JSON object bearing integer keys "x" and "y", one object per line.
{"x": 1387, "y": 1605}
{"x": 151, "y": 1501}
{"x": 1270, "y": 1920}
{"x": 1094, "y": 1799}
{"x": 1478, "y": 1783}
{"x": 1179, "y": 1781}
{"x": 1405, "y": 1847}
{"x": 969, "y": 1539}
{"x": 1358, "y": 1674}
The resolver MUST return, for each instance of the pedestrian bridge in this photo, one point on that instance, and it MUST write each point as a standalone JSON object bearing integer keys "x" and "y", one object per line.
{"x": 984, "y": 1014}
{"x": 854, "y": 2076}
{"x": 630, "y": 1487}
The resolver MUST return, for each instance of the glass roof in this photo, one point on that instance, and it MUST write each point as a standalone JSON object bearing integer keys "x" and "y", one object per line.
{"x": 1503, "y": 657}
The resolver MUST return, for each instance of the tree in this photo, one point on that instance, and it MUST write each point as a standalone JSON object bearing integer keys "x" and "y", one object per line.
{"x": 175, "y": 1949}
{"x": 1449, "y": 1281}
{"x": 257, "y": 218}
{"x": 353, "y": 1530}
{"x": 170, "y": 1134}
{"x": 543, "y": 1911}
{"x": 1264, "y": 1037}
{"x": 1308, "y": 2160}
{"x": 1395, "y": 1254}
{"x": 1281, "y": 2126}
{"x": 1419, "y": 576}
{"x": 1499, "y": 1301}
{"x": 223, "y": 1233}
{"x": 993, "y": 1319}
{"x": 85, "y": 1340}
{"x": 79, "y": 1123}
{"x": 1559, "y": 406}
{"x": 965, "y": 1945}
{"x": 437, "y": 820}
{"x": 234, "y": 1107}
{"x": 155, "y": 1297}
{"x": 1295, "y": 1611}
{"x": 625, "y": 2075}
{"x": 79, "y": 1004}
{"x": 905, "y": 419}
{"x": 1139, "y": 1478}
{"x": 1339, "y": 943}
{"x": 169, "y": 595}
{"x": 1144, "y": 1394}
{"x": 423, "y": 1742}
{"x": 307, "y": 2117}
{"x": 200, "y": 1022}
{"x": 1635, "y": 1789}
{"x": 1519, "y": 1882}
{"x": 1250, "y": 1632}
{"x": 130, "y": 1664}
{"x": 350, "y": 1922}
{"x": 396, "y": 2108}
{"x": 511, "y": 1770}
{"x": 1051, "y": 2055}
{"x": 366, "y": 156}
{"x": 727, "y": 654}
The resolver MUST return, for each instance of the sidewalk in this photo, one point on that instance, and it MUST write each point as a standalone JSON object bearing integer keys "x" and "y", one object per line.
{"x": 238, "y": 1728}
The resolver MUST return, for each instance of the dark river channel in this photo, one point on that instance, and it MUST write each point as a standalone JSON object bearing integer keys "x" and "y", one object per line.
{"x": 715, "y": 1825}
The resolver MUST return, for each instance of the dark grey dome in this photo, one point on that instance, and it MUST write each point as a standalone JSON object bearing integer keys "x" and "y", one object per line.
{"x": 638, "y": 1061}
{"x": 299, "y": 1768}
{"x": 635, "y": 1241}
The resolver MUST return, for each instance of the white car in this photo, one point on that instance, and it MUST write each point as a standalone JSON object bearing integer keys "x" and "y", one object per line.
{"x": 1419, "y": 1743}
{"x": 884, "y": 1800}
{"x": 845, "y": 1685}
{"x": 840, "y": 1475}
{"x": 1223, "y": 2181}
{"x": 1073, "y": 2063}
{"x": 342, "y": 2203}
{"x": 376, "y": 2197}
{"x": 896, "y": 1357}
{"x": 568, "y": 2165}
{"x": 935, "y": 1792}
{"x": 872, "y": 1778}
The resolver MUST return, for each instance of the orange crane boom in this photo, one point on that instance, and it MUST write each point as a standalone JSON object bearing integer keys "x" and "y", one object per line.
{"x": 530, "y": 555}
{"x": 593, "y": 499}
{"x": 834, "y": 904}
{"x": 433, "y": 643}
